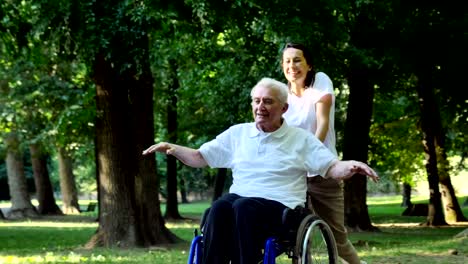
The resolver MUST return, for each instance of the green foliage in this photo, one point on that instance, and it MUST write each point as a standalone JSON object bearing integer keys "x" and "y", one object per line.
{"x": 216, "y": 51}
{"x": 396, "y": 141}
{"x": 45, "y": 93}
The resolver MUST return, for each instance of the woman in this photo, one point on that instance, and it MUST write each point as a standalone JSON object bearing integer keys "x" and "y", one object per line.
{"x": 312, "y": 107}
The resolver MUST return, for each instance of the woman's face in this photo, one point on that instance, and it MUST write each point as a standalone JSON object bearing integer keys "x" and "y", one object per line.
{"x": 295, "y": 67}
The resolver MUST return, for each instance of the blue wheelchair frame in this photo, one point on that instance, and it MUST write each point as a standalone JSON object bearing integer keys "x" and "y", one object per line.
{"x": 271, "y": 251}
{"x": 196, "y": 249}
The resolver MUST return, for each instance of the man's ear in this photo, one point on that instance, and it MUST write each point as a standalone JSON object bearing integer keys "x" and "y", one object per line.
{"x": 285, "y": 107}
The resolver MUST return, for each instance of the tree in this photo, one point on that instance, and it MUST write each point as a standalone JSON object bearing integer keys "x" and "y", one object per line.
{"x": 21, "y": 205}
{"x": 441, "y": 33}
{"x": 355, "y": 145}
{"x": 435, "y": 215}
{"x": 361, "y": 68}
{"x": 436, "y": 158}
{"x": 45, "y": 194}
{"x": 172, "y": 210}
{"x": 41, "y": 85}
{"x": 111, "y": 39}
{"x": 124, "y": 127}
{"x": 67, "y": 183}
{"x": 14, "y": 29}
{"x": 406, "y": 201}
{"x": 449, "y": 136}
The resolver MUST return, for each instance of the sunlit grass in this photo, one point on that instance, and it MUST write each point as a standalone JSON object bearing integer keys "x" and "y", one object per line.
{"x": 391, "y": 200}
{"x": 54, "y": 224}
{"x": 62, "y": 239}
{"x": 101, "y": 256}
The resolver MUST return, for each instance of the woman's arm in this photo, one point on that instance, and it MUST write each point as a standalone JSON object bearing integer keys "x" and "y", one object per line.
{"x": 322, "y": 109}
{"x": 189, "y": 156}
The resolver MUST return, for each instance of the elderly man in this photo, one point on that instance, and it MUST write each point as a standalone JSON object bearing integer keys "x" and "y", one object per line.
{"x": 269, "y": 162}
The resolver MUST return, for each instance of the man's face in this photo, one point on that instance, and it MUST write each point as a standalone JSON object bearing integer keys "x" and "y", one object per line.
{"x": 267, "y": 109}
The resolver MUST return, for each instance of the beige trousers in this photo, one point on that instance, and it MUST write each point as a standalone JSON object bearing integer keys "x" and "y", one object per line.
{"x": 326, "y": 198}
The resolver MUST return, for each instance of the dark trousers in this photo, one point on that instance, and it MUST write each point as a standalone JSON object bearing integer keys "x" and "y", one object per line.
{"x": 237, "y": 227}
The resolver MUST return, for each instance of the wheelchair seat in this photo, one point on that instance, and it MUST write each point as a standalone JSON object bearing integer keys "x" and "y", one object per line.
{"x": 305, "y": 238}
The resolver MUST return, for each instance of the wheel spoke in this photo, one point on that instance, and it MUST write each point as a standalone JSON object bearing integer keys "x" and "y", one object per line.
{"x": 317, "y": 244}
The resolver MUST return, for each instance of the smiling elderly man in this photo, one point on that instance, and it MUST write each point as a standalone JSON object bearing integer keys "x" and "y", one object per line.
{"x": 269, "y": 162}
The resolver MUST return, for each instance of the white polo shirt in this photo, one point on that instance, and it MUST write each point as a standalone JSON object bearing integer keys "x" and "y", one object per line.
{"x": 269, "y": 165}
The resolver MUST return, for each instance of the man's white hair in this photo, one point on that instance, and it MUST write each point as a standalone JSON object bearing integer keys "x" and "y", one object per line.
{"x": 273, "y": 84}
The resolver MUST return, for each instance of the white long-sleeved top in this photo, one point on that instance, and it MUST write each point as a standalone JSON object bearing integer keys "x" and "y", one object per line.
{"x": 301, "y": 112}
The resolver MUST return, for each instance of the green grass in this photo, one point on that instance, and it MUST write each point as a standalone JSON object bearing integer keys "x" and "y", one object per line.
{"x": 61, "y": 239}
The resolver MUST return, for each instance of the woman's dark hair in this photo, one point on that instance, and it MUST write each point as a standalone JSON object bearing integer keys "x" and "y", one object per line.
{"x": 310, "y": 77}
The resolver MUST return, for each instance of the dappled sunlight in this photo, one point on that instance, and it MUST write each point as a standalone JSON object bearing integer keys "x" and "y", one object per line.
{"x": 407, "y": 254}
{"x": 393, "y": 199}
{"x": 415, "y": 225}
{"x": 182, "y": 224}
{"x": 100, "y": 255}
{"x": 397, "y": 225}
{"x": 49, "y": 224}
{"x": 50, "y": 257}
{"x": 60, "y": 239}
{"x": 411, "y": 243}
{"x": 410, "y": 259}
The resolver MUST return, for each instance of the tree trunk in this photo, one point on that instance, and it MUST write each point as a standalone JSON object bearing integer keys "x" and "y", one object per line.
{"x": 117, "y": 220}
{"x": 96, "y": 161}
{"x": 219, "y": 183}
{"x": 21, "y": 205}
{"x": 183, "y": 191}
{"x": 427, "y": 106}
{"x": 148, "y": 207}
{"x": 452, "y": 209}
{"x": 67, "y": 183}
{"x": 406, "y": 195}
{"x": 44, "y": 191}
{"x": 128, "y": 187}
{"x": 355, "y": 146}
{"x": 172, "y": 209}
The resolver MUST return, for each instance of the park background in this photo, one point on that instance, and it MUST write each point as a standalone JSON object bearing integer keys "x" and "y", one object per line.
{"x": 86, "y": 85}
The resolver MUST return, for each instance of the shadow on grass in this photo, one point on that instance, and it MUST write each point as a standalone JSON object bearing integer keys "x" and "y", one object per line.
{"x": 59, "y": 239}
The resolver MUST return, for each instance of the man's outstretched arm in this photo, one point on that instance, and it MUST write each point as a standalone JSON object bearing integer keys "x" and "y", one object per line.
{"x": 342, "y": 170}
{"x": 189, "y": 156}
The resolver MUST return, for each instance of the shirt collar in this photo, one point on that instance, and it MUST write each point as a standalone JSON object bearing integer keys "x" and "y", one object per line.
{"x": 254, "y": 132}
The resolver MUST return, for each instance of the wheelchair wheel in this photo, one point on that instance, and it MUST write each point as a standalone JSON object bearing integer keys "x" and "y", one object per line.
{"x": 315, "y": 243}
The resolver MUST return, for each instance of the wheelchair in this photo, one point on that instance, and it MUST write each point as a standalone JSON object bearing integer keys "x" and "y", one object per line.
{"x": 306, "y": 239}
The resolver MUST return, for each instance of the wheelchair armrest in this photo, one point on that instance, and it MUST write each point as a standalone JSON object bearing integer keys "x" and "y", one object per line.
{"x": 203, "y": 219}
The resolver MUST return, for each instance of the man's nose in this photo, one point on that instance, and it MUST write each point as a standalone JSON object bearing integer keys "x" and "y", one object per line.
{"x": 261, "y": 105}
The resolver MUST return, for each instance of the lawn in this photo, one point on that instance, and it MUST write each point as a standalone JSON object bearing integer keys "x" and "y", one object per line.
{"x": 60, "y": 239}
